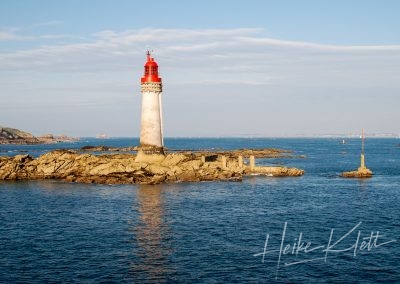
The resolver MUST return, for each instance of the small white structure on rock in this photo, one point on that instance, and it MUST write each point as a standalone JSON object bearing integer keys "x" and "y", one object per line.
{"x": 362, "y": 171}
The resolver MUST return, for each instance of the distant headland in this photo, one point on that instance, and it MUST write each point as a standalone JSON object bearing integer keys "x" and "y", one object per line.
{"x": 15, "y": 136}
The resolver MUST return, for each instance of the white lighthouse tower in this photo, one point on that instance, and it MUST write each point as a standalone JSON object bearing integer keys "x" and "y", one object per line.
{"x": 151, "y": 128}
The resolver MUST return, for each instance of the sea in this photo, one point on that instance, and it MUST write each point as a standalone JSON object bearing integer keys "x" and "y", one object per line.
{"x": 317, "y": 228}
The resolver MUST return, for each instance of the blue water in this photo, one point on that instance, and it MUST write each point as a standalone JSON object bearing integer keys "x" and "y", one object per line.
{"x": 209, "y": 232}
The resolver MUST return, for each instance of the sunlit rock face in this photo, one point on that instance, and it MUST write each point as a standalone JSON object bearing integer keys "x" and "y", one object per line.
{"x": 73, "y": 166}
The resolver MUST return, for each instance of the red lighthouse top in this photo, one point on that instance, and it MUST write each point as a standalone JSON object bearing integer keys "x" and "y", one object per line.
{"x": 150, "y": 71}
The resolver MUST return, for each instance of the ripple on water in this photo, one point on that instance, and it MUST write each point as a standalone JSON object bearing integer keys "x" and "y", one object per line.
{"x": 207, "y": 232}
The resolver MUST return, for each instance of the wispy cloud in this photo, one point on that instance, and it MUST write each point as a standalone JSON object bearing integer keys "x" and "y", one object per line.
{"x": 212, "y": 55}
{"x": 265, "y": 81}
{"x": 12, "y": 36}
{"x": 316, "y": 46}
{"x": 299, "y": 83}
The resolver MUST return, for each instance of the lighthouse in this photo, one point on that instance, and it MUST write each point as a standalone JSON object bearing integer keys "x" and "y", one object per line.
{"x": 151, "y": 127}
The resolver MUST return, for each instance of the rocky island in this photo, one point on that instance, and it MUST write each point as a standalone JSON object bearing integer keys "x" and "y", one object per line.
{"x": 123, "y": 168}
{"x": 362, "y": 171}
{"x": 15, "y": 136}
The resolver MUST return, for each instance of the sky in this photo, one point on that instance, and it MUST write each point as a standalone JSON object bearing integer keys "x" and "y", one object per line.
{"x": 254, "y": 68}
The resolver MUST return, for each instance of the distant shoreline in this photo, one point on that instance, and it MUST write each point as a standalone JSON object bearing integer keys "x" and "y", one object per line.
{"x": 15, "y": 136}
{"x": 37, "y": 141}
{"x": 40, "y": 140}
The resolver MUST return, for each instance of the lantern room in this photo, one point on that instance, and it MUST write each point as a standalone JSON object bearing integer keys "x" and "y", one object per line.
{"x": 150, "y": 71}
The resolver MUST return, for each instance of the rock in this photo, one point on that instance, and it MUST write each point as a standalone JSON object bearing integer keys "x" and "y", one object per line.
{"x": 210, "y": 158}
{"x": 72, "y": 166}
{"x": 174, "y": 159}
{"x": 103, "y": 148}
{"x": 191, "y": 165}
{"x": 176, "y": 170}
{"x": 277, "y": 171}
{"x": 149, "y": 158}
{"x": 257, "y": 153}
{"x": 95, "y": 148}
{"x": 360, "y": 173}
{"x": 107, "y": 169}
{"x": 14, "y": 136}
{"x": 22, "y": 158}
{"x": 155, "y": 169}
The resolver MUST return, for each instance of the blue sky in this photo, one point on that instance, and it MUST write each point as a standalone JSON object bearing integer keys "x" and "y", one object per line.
{"x": 230, "y": 68}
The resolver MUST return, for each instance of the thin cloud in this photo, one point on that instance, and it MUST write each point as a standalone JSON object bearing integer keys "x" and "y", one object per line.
{"x": 239, "y": 55}
{"x": 172, "y": 41}
{"x": 11, "y": 36}
{"x": 265, "y": 81}
{"x": 316, "y": 46}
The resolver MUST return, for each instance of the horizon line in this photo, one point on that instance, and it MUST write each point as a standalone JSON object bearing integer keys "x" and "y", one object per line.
{"x": 256, "y": 137}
